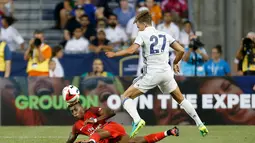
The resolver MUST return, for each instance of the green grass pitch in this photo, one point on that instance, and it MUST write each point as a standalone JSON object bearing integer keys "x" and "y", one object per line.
{"x": 188, "y": 134}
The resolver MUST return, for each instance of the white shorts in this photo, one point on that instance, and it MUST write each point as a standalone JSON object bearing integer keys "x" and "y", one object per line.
{"x": 164, "y": 80}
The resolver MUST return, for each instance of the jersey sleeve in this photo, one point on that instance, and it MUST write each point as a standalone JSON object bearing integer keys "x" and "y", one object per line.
{"x": 170, "y": 39}
{"x": 95, "y": 110}
{"x": 138, "y": 39}
{"x": 74, "y": 130}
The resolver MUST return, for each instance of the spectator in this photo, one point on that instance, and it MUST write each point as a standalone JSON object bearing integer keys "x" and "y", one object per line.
{"x": 100, "y": 43}
{"x": 101, "y": 24}
{"x": 177, "y": 6}
{"x": 245, "y": 58}
{"x": 5, "y": 60}
{"x": 56, "y": 69}
{"x": 115, "y": 33}
{"x": 217, "y": 66}
{"x": 72, "y": 24}
{"x": 11, "y": 35}
{"x": 186, "y": 34}
{"x": 124, "y": 13}
{"x": 38, "y": 55}
{"x": 169, "y": 27}
{"x": 88, "y": 8}
{"x": 98, "y": 70}
{"x": 194, "y": 60}
{"x": 155, "y": 11}
{"x": 77, "y": 44}
{"x": 62, "y": 13}
{"x": 88, "y": 30}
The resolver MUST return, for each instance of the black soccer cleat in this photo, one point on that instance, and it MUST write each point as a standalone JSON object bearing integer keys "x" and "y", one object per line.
{"x": 173, "y": 132}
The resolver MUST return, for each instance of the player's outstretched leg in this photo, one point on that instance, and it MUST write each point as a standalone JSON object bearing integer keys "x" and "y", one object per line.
{"x": 187, "y": 106}
{"x": 152, "y": 138}
{"x": 130, "y": 107}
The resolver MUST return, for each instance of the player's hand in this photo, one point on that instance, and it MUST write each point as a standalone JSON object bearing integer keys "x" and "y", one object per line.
{"x": 110, "y": 54}
{"x": 91, "y": 121}
{"x": 176, "y": 68}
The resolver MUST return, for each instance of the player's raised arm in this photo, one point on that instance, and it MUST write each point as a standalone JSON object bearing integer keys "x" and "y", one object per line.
{"x": 129, "y": 51}
{"x": 72, "y": 138}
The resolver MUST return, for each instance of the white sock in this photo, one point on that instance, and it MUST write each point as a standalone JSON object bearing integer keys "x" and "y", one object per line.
{"x": 130, "y": 107}
{"x": 187, "y": 106}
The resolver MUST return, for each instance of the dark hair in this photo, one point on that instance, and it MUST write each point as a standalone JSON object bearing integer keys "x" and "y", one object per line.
{"x": 10, "y": 20}
{"x": 56, "y": 49}
{"x": 72, "y": 104}
{"x": 38, "y": 31}
{"x": 218, "y": 48}
{"x": 143, "y": 17}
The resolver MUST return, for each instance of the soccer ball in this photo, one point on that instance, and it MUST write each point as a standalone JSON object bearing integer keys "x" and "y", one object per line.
{"x": 71, "y": 94}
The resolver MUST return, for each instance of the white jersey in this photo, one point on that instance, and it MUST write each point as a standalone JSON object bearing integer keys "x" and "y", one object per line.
{"x": 156, "y": 47}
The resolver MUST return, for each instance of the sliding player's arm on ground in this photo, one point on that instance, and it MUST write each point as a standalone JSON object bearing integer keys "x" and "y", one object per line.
{"x": 179, "y": 51}
{"x": 72, "y": 138}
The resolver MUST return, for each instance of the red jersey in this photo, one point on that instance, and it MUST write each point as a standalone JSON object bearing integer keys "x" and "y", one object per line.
{"x": 91, "y": 113}
{"x": 116, "y": 130}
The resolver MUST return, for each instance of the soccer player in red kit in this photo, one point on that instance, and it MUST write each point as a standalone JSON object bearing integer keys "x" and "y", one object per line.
{"x": 92, "y": 123}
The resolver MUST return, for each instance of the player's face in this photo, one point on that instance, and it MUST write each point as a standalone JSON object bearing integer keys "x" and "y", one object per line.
{"x": 140, "y": 26}
{"x": 77, "y": 111}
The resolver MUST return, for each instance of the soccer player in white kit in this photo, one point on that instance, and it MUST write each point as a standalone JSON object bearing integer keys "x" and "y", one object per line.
{"x": 156, "y": 71}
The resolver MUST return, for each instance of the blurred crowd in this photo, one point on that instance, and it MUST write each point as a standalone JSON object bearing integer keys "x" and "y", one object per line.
{"x": 107, "y": 25}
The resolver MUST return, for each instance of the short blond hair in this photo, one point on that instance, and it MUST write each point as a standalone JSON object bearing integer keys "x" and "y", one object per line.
{"x": 143, "y": 17}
